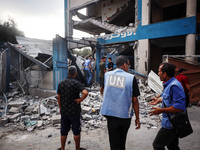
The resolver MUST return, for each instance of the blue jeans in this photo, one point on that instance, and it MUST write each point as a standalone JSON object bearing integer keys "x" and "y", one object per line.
{"x": 88, "y": 75}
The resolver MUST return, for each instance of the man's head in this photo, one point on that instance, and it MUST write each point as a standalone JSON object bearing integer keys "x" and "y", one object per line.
{"x": 166, "y": 71}
{"x": 72, "y": 71}
{"x": 103, "y": 58}
{"x": 123, "y": 63}
{"x": 182, "y": 70}
{"x": 110, "y": 59}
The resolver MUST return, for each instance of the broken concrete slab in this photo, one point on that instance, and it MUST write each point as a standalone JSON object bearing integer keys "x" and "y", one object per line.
{"x": 86, "y": 109}
{"x": 16, "y": 103}
{"x": 15, "y": 116}
{"x": 30, "y": 109}
{"x": 55, "y": 119}
{"x": 39, "y": 123}
{"x": 13, "y": 110}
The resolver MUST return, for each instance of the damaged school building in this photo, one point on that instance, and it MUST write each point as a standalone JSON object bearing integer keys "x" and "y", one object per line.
{"x": 147, "y": 31}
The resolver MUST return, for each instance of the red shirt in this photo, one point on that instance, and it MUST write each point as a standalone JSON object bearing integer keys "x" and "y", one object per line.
{"x": 184, "y": 80}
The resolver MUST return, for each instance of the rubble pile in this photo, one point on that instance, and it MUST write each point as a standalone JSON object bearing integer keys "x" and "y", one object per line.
{"x": 145, "y": 97}
{"x": 26, "y": 112}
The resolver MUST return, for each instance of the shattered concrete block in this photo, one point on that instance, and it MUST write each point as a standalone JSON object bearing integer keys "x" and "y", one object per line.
{"x": 15, "y": 116}
{"x": 97, "y": 107}
{"x": 54, "y": 109}
{"x": 100, "y": 117}
{"x": 35, "y": 117}
{"x": 35, "y": 110}
{"x": 30, "y": 108}
{"x": 87, "y": 117}
{"x": 86, "y": 109}
{"x": 47, "y": 113}
{"x": 45, "y": 117}
{"x": 92, "y": 95}
{"x": 55, "y": 119}
{"x": 95, "y": 116}
{"x": 13, "y": 110}
{"x": 25, "y": 118}
{"x": 43, "y": 109}
{"x": 3, "y": 121}
{"x": 16, "y": 104}
{"x": 39, "y": 123}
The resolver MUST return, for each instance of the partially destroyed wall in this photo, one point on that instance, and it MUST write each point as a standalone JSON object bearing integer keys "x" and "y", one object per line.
{"x": 143, "y": 57}
{"x": 94, "y": 10}
{"x": 77, "y": 3}
{"x": 4, "y": 71}
{"x": 109, "y": 9}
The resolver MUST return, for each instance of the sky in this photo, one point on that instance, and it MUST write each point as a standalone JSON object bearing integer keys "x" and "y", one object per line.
{"x": 41, "y": 19}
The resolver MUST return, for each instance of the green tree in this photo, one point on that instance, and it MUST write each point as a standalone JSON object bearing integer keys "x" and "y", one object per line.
{"x": 8, "y": 31}
{"x": 82, "y": 52}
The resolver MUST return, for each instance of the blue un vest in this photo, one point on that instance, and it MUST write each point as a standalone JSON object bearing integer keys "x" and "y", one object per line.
{"x": 86, "y": 64}
{"x": 117, "y": 96}
{"x": 167, "y": 99}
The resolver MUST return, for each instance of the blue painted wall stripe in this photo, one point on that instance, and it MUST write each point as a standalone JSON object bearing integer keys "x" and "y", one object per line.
{"x": 176, "y": 27}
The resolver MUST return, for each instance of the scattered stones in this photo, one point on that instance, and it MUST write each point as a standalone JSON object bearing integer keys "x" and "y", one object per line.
{"x": 55, "y": 119}
{"x": 40, "y": 113}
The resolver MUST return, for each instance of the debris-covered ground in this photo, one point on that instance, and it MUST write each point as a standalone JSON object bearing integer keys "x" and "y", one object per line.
{"x": 25, "y": 112}
{"x": 34, "y": 123}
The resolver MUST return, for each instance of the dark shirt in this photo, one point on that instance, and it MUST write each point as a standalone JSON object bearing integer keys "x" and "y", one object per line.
{"x": 135, "y": 92}
{"x": 102, "y": 67}
{"x": 69, "y": 90}
{"x": 92, "y": 47}
{"x": 110, "y": 65}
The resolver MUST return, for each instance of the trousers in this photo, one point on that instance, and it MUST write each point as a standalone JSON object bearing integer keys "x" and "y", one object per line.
{"x": 88, "y": 75}
{"x": 117, "y": 130}
{"x": 166, "y": 137}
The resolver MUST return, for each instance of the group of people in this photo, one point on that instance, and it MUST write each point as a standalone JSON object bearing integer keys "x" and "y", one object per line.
{"x": 89, "y": 67}
{"x": 120, "y": 91}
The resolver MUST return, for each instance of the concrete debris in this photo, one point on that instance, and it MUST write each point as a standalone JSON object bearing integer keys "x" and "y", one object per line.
{"x": 26, "y": 112}
{"x": 55, "y": 119}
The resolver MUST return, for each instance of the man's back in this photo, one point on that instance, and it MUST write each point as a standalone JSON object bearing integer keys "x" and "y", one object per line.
{"x": 102, "y": 68}
{"x": 118, "y": 91}
{"x": 69, "y": 90}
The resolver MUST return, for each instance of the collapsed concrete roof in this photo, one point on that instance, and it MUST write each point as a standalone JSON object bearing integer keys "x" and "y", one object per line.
{"x": 43, "y": 65}
{"x": 94, "y": 27}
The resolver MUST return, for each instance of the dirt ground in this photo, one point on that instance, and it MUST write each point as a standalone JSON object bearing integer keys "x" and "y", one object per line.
{"x": 97, "y": 139}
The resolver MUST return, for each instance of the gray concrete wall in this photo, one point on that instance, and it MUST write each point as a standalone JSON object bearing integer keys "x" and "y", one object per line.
{"x": 3, "y": 71}
{"x": 40, "y": 79}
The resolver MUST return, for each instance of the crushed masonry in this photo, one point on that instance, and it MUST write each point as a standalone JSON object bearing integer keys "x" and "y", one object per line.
{"x": 26, "y": 112}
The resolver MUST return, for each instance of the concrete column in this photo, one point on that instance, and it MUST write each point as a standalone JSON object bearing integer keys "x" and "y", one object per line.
{"x": 1, "y": 73}
{"x": 145, "y": 12}
{"x": 191, "y": 8}
{"x": 142, "y": 57}
{"x": 190, "y": 45}
{"x": 66, "y": 7}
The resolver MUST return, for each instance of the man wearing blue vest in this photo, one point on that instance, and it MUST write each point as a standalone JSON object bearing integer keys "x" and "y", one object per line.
{"x": 120, "y": 91}
{"x": 173, "y": 97}
{"x": 88, "y": 70}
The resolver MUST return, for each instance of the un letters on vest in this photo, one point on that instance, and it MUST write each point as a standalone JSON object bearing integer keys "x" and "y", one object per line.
{"x": 116, "y": 81}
